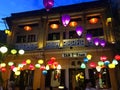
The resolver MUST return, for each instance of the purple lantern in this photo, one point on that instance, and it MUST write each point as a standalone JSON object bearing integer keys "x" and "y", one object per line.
{"x": 102, "y": 43}
{"x": 65, "y": 19}
{"x": 96, "y": 41}
{"x": 79, "y": 30}
{"x": 48, "y": 4}
{"x": 89, "y": 37}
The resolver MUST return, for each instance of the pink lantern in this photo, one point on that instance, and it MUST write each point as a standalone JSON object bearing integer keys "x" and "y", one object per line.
{"x": 48, "y": 4}
{"x": 65, "y": 19}
{"x": 96, "y": 41}
{"x": 89, "y": 37}
{"x": 103, "y": 58}
{"x": 102, "y": 43}
{"x": 79, "y": 30}
{"x": 93, "y": 65}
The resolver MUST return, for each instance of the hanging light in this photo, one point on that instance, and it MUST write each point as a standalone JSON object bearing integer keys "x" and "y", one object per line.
{"x": 111, "y": 65}
{"x": 89, "y": 37}
{"x": 21, "y": 51}
{"x": 83, "y": 66}
{"x": 48, "y": 4}
{"x": 96, "y": 41}
{"x": 27, "y": 28}
{"x": 93, "y": 20}
{"x": 103, "y": 58}
{"x": 115, "y": 62}
{"x": 73, "y": 24}
{"x": 107, "y": 62}
{"x": 89, "y": 56}
{"x": 79, "y": 30}
{"x": 3, "y": 49}
{"x": 65, "y": 19}
{"x": 54, "y": 26}
{"x": 98, "y": 68}
{"x": 92, "y": 65}
{"x": 102, "y": 43}
{"x": 13, "y": 51}
{"x": 117, "y": 57}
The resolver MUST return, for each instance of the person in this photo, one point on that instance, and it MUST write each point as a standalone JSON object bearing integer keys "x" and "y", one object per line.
{"x": 11, "y": 85}
{"x": 89, "y": 85}
{"x": 1, "y": 87}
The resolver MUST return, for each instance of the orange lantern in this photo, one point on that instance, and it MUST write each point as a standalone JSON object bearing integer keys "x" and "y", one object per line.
{"x": 54, "y": 26}
{"x": 27, "y": 28}
{"x": 73, "y": 24}
{"x": 93, "y": 20}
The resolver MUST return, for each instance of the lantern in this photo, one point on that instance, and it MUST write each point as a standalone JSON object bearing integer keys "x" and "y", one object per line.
{"x": 117, "y": 57}
{"x": 89, "y": 37}
{"x": 37, "y": 65}
{"x": 102, "y": 43}
{"x": 3, "y": 49}
{"x": 3, "y": 69}
{"x": 48, "y": 4}
{"x": 96, "y": 41}
{"x": 73, "y": 24}
{"x": 98, "y": 68}
{"x": 103, "y": 58}
{"x": 111, "y": 65}
{"x": 100, "y": 63}
{"x": 92, "y": 65}
{"x": 27, "y": 28}
{"x": 28, "y": 61}
{"x": 85, "y": 60}
{"x": 10, "y": 63}
{"x": 40, "y": 61}
{"x": 42, "y": 67}
{"x": 21, "y": 51}
{"x": 107, "y": 62}
{"x": 65, "y": 19}
{"x": 17, "y": 73}
{"x": 54, "y": 26}
{"x": 89, "y": 57}
{"x": 79, "y": 30}
{"x": 59, "y": 66}
{"x": 13, "y": 51}
{"x": 115, "y": 62}
{"x": 44, "y": 72}
{"x": 31, "y": 67}
{"x": 83, "y": 66}
{"x": 3, "y": 64}
{"x": 93, "y": 20}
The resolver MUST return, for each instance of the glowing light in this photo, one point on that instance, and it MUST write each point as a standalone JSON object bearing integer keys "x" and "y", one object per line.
{"x": 21, "y": 52}
{"x": 65, "y": 19}
{"x": 79, "y": 30}
{"x": 27, "y": 28}
{"x": 3, "y": 49}
{"x": 13, "y": 51}
{"x": 93, "y": 20}
{"x": 40, "y": 61}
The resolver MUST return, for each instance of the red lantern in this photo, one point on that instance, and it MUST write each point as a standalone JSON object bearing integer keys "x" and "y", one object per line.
{"x": 93, "y": 20}
{"x": 93, "y": 65}
{"x": 3, "y": 69}
{"x": 117, "y": 57}
{"x": 27, "y": 28}
{"x": 103, "y": 58}
{"x": 42, "y": 67}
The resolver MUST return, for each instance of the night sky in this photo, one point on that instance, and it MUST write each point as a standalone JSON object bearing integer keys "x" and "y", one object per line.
{"x": 15, "y": 6}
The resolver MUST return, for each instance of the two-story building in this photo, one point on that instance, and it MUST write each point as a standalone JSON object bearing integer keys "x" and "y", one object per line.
{"x": 42, "y": 35}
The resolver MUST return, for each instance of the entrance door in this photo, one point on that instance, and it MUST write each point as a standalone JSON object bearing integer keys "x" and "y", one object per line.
{"x": 76, "y": 79}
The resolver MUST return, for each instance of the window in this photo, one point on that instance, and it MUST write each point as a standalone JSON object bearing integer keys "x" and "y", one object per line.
{"x": 96, "y": 32}
{"x": 73, "y": 34}
{"x": 31, "y": 38}
{"x": 54, "y": 36}
{"x": 21, "y": 39}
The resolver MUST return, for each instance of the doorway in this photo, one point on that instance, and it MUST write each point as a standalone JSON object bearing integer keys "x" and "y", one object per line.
{"x": 76, "y": 79}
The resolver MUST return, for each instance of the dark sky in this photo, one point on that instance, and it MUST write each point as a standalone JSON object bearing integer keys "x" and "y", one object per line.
{"x": 15, "y": 6}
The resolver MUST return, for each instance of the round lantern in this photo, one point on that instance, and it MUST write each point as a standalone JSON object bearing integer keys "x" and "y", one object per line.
{"x": 3, "y": 49}
{"x": 3, "y": 69}
{"x": 54, "y": 26}
{"x": 3, "y": 64}
{"x": 102, "y": 43}
{"x": 10, "y": 63}
{"x": 59, "y": 66}
{"x": 117, "y": 57}
{"x": 48, "y": 4}
{"x": 47, "y": 67}
{"x": 89, "y": 37}
{"x": 13, "y": 51}
{"x": 107, "y": 62}
{"x": 85, "y": 60}
{"x": 89, "y": 57}
{"x": 79, "y": 30}
{"x": 65, "y": 19}
{"x": 31, "y": 67}
{"x": 44, "y": 72}
{"x": 96, "y": 41}
{"x": 115, "y": 62}
{"x": 73, "y": 24}
{"x": 28, "y": 61}
{"x": 17, "y": 73}
{"x": 103, "y": 58}
{"x": 21, "y": 51}
{"x": 100, "y": 63}
{"x": 37, "y": 65}
{"x": 42, "y": 67}
{"x": 111, "y": 65}
{"x": 27, "y": 28}
{"x": 93, "y": 20}
{"x": 40, "y": 61}
{"x": 92, "y": 65}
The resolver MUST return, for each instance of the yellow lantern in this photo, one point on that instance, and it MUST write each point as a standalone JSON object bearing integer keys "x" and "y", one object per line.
{"x": 89, "y": 57}
{"x": 3, "y": 64}
{"x": 28, "y": 61}
{"x": 10, "y": 63}
{"x": 40, "y": 61}
{"x": 111, "y": 65}
{"x": 17, "y": 73}
{"x": 13, "y": 51}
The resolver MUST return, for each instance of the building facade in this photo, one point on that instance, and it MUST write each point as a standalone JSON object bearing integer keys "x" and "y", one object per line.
{"x": 42, "y": 35}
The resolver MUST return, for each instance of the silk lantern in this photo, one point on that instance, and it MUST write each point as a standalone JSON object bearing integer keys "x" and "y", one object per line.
{"x": 79, "y": 30}
{"x": 48, "y": 4}
{"x": 65, "y": 19}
